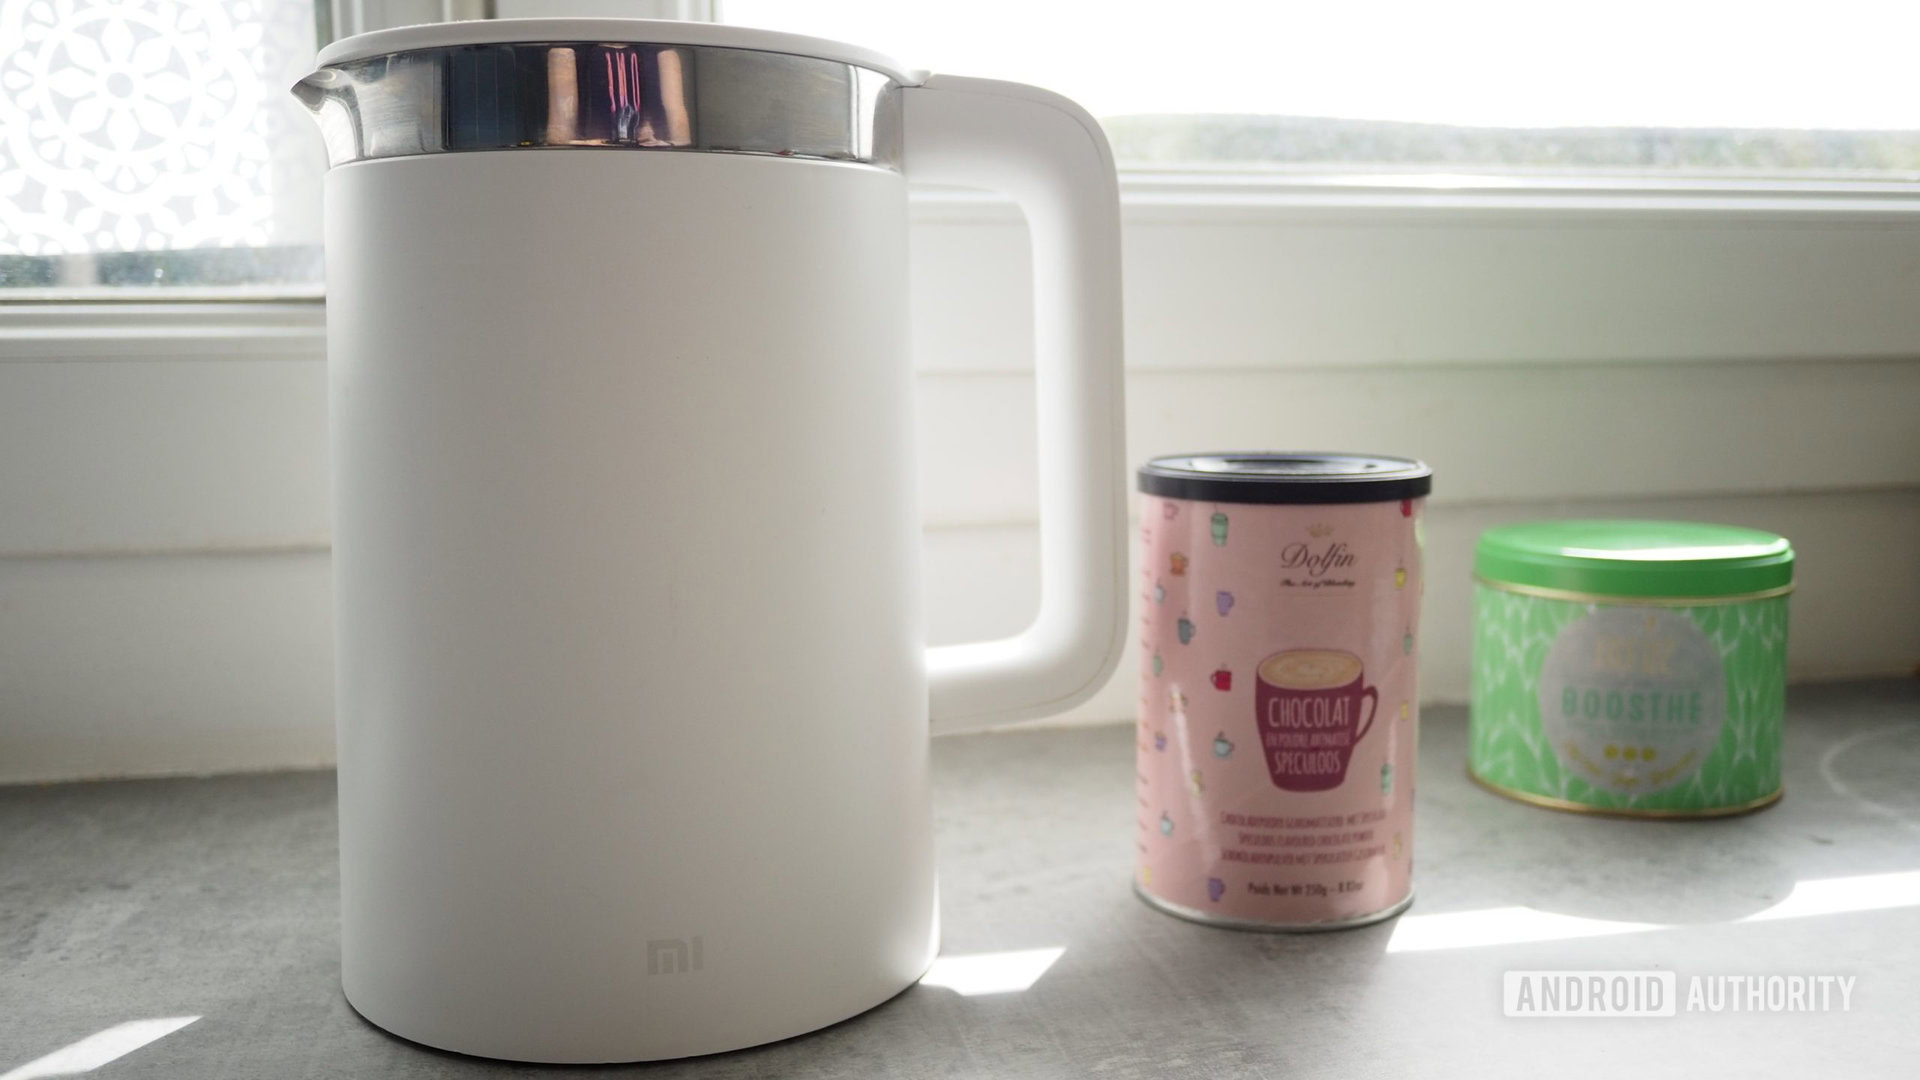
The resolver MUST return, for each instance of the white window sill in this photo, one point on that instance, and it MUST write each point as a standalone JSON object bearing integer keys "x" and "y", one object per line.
{"x": 1242, "y": 195}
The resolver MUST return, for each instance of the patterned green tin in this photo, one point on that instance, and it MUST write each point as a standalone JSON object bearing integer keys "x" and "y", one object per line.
{"x": 1630, "y": 667}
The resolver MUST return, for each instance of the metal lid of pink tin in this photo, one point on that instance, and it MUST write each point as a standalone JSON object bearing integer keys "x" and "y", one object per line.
{"x": 1285, "y": 476}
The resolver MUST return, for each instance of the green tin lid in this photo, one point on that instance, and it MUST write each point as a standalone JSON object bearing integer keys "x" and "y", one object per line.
{"x": 1665, "y": 559}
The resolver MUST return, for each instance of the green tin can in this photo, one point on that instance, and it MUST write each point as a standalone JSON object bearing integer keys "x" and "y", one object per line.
{"x": 1630, "y": 667}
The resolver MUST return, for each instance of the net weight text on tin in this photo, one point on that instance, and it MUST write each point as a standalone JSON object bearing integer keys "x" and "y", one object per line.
{"x": 1303, "y": 888}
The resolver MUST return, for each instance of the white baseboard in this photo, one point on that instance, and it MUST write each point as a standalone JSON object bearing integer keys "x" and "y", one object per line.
{"x": 145, "y": 665}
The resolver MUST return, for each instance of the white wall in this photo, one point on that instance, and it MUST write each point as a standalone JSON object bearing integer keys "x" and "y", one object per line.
{"x": 1853, "y": 612}
{"x": 163, "y": 567}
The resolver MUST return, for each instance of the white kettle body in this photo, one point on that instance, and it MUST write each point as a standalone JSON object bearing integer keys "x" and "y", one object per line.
{"x": 633, "y": 700}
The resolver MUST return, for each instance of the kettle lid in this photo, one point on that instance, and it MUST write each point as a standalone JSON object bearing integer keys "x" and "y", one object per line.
{"x": 631, "y": 84}
{"x": 402, "y": 39}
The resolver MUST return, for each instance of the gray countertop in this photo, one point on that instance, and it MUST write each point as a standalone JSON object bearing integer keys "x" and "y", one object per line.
{"x": 215, "y": 898}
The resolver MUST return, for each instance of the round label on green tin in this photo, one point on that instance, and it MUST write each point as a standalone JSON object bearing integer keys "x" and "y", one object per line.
{"x": 1632, "y": 699}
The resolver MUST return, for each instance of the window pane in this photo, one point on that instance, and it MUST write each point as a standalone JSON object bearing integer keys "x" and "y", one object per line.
{"x": 1717, "y": 87}
{"x": 152, "y": 145}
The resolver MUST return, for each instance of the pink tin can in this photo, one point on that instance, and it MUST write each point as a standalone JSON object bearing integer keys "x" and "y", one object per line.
{"x": 1278, "y": 718}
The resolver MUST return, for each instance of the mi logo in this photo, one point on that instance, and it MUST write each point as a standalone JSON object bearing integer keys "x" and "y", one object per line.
{"x": 673, "y": 956}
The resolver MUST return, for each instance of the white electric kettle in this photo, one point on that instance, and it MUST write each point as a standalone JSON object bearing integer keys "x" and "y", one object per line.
{"x": 633, "y": 697}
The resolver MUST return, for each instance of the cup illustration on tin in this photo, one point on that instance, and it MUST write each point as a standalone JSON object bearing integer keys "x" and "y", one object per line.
{"x": 1308, "y": 704}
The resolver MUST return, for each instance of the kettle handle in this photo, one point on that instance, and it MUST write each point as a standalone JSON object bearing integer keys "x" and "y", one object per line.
{"x": 1053, "y": 159}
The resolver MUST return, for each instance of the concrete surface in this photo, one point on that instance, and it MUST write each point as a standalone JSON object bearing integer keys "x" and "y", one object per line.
{"x": 215, "y": 899}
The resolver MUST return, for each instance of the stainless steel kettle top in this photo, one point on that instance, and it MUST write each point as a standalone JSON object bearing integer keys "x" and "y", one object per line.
{"x": 603, "y": 84}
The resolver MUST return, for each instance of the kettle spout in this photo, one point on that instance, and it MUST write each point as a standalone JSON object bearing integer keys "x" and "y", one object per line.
{"x": 329, "y": 95}
{"x": 314, "y": 90}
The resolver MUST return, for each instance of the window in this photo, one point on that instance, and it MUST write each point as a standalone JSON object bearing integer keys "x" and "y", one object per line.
{"x": 151, "y": 146}
{"x": 1717, "y": 87}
